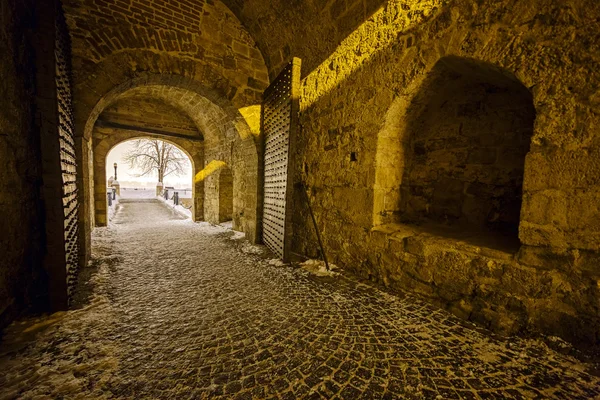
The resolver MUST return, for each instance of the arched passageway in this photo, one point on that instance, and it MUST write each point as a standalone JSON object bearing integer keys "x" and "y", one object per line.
{"x": 126, "y": 120}
{"x": 208, "y": 128}
{"x": 191, "y": 72}
{"x": 149, "y": 169}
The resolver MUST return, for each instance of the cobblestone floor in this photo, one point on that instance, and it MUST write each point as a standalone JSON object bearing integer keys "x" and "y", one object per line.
{"x": 176, "y": 310}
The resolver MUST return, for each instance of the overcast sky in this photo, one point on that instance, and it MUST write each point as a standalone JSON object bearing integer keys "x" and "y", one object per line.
{"x": 127, "y": 175}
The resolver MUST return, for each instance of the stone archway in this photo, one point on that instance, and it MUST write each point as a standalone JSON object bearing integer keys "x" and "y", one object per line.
{"x": 226, "y": 135}
{"x": 193, "y": 149}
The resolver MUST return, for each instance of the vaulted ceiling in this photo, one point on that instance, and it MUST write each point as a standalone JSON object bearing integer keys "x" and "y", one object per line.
{"x": 309, "y": 29}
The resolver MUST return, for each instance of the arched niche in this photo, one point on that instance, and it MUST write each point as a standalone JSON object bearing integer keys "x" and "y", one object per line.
{"x": 456, "y": 152}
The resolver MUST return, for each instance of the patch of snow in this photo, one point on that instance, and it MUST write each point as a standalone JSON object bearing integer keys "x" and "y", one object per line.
{"x": 228, "y": 224}
{"x": 211, "y": 229}
{"x": 276, "y": 262}
{"x": 252, "y": 249}
{"x": 317, "y": 267}
{"x": 179, "y": 208}
{"x": 112, "y": 209}
{"x": 237, "y": 235}
{"x": 138, "y": 193}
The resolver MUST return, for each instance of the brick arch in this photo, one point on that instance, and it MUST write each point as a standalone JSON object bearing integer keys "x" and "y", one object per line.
{"x": 208, "y": 107}
{"x": 200, "y": 32}
{"x": 96, "y": 83}
{"x": 226, "y": 133}
{"x": 193, "y": 149}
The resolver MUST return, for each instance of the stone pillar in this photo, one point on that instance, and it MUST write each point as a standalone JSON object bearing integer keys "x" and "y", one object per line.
{"x": 159, "y": 189}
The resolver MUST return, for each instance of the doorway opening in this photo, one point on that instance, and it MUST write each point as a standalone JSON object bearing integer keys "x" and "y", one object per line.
{"x": 146, "y": 169}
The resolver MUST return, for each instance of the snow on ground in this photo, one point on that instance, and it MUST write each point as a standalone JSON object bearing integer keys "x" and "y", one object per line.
{"x": 250, "y": 248}
{"x": 238, "y": 235}
{"x": 276, "y": 262}
{"x": 112, "y": 209}
{"x": 317, "y": 267}
{"x": 205, "y": 227}
{"x": 180, "y": 209}
{"x": 138, "y": 193}
{"x": 211, "y": 229}
{"x": 228, "y": 224}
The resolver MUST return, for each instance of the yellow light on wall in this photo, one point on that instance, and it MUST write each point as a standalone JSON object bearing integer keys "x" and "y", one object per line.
{"x": 374, "y": 35}
{"x": 210, "y": 169}
{"x": 252, "y": 116}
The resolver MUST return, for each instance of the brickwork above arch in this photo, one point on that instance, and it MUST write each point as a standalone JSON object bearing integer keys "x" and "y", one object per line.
{"x": 204, "y": 31}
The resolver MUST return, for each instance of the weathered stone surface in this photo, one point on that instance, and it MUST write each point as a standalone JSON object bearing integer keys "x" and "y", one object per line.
{"x": 310, "y": 30}
{"x": 510, "y": 129}
{"x": 21, "y": 220}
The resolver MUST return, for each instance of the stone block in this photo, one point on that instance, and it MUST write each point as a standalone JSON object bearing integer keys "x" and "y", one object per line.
{"x": 546, "y": 207}
{"x": 583, "y": 210}
{"x": 482, "y": 155}
{"x": 547, "y": 258}
{"x": 558, "y": 169}
{"x": 588, "y": 262}
{"x": 378, "y": 240}
{"x": 541, "y": 235}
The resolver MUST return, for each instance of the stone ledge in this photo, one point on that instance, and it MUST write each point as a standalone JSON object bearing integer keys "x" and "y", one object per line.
{"x": 417, "y": 238}
{"x": 506, "y": 288}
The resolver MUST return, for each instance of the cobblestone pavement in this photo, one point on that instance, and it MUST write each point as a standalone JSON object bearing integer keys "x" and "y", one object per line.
{"x": 176, "y": 310}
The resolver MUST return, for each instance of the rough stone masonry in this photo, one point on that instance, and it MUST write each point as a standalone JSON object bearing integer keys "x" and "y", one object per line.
{"x": 450, "y": 147}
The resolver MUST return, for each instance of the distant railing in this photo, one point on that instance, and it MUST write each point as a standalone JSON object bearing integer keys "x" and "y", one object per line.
{"x": 111, "y": 194}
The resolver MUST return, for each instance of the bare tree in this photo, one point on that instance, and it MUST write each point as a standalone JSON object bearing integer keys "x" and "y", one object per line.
{"x": 155, "y": 156}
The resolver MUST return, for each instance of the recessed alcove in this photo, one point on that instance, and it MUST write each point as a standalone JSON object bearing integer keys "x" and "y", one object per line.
{"x": 467, "y": 132}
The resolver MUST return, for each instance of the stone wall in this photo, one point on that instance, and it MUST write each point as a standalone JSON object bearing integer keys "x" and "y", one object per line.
{"x": 365, "y": 138}
{"x": 225, "y": 195}
{"x": 22, "y": 280}
{"x": 310, "y": 30}
{"x": 218, "y": 195}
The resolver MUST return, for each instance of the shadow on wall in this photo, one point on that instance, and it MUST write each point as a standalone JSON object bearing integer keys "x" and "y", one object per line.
{"x": 467, "y": 132}
{"x": 345, "y": 100}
